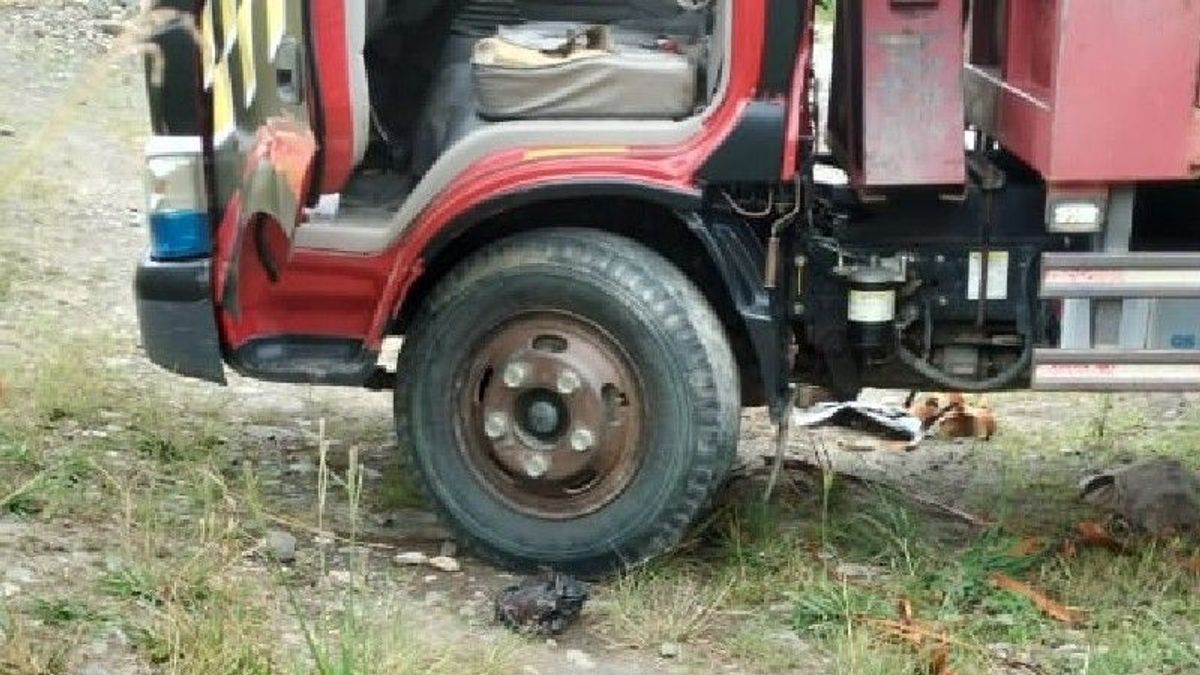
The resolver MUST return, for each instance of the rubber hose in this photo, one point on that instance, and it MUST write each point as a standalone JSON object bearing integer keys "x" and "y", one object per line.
{"x": 1002, "y": 379}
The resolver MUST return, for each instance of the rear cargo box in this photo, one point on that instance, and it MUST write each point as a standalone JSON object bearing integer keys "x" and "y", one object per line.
{"x": 1089, "y": 91}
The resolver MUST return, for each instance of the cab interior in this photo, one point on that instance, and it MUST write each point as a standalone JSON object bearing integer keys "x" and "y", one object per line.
{"x": 428, "y": 75}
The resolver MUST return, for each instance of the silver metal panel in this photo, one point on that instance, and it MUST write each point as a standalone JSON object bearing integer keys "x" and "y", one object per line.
{"x": 1116, "y": 370}
{"x": 1126, "y": 275}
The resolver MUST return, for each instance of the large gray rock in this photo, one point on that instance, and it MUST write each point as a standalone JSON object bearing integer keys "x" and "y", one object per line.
{"x": 281, "y": 545}
{"x": 1160, "y": 496}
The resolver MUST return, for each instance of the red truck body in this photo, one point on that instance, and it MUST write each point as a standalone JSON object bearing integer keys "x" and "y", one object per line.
{"x": 591, "y": 278}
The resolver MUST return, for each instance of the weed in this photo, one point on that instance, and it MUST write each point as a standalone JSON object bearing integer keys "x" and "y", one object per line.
{"x": 826, "y": 10}
{"x": 70, "y": 385}
{"x": 171, "y": 448}
{"x": 649, "y": 606}
{"x": 23, "y": 653}
{"x": 771, "y": 648}
{"x": 7, "y": 280}
{"x": 381, "y": 638}
{"x": 397, "y": 491}
{"x": 827, "y": 606}
{"x": 50, "y": 491}
{"x": 885, "y": 533}
{"x": 62, "y": 611}
{"x": 961, "y": 582}
{"x": 128, "y": 582}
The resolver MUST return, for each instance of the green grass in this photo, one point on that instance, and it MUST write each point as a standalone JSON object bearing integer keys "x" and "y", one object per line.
{"x": 63, "y": 611}
{"x": 380, "y": 636}
{"x": 779, "y": 567}
{"x": 8, "y": 279}
{"x": 826, "y": 10}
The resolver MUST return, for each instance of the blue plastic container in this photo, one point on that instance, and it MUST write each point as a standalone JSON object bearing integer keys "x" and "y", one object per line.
{"x": 180, "y": 235}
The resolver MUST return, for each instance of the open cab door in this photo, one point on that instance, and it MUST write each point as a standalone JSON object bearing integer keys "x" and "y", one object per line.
{"x": 264, "y": 150}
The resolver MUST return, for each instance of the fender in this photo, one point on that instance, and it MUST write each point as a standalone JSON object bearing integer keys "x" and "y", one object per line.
{"x": 672, "y": 198}
{"x": 740, "y": 259}
{"x": 731, "y": 247}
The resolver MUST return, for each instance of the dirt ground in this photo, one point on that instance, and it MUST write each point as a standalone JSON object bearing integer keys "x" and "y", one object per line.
{"x": 135, "y": 503}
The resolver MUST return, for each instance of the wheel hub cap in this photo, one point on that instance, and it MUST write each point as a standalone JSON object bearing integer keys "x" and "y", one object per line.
{"x": 550, "y": 415}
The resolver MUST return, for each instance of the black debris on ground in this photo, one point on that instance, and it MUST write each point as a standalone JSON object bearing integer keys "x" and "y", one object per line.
{"x": 546, "y": 604}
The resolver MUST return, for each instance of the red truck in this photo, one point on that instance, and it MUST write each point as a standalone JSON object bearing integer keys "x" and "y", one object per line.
{"x": 603, "y": 227}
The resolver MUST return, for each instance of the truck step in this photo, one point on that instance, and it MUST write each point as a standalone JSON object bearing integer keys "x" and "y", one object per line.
{"x": 1121, "y": 275}
{"x": 1116, "y": 370}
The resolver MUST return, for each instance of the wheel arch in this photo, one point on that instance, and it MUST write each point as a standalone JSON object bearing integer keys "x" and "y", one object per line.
{"x": 669, "y": 222}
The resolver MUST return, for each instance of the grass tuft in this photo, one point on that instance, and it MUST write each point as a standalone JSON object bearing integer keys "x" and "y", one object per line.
{"x": 649, "y": 606}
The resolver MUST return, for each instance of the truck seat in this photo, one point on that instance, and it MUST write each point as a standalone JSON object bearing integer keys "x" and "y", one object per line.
{"x": 357, "y": 20}
{"x": 549, "y": 70}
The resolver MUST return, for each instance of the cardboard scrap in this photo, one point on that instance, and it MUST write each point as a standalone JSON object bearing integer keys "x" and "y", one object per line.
{"x": 950, "y": 415}
{"x": 1052, "y": 608}
{"x": 927, "y": 639}
{"x": 1094, "y": 535}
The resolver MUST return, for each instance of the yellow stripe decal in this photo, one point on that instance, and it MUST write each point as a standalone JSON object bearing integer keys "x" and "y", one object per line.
{"x": 222, "y": 103}
{"x": 246, "y": 53}
{"x": 228, "y": 25}
{"x": 208, "y": 43}
{"x": 276, "y": 24}
{"x": 574, "y": 151}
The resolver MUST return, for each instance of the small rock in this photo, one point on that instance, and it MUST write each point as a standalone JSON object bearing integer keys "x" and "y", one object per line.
{"x": 1004, "y": 620}
{"x": 445, "y": 564}
{"x": 355, "y": 551}
{"x": 858, "y": 572}
{"x": 1001, "y": 649}
{"x": 340, "y": 577}
{"x": 98, "y": 8}
{"x": 19, "y": 575}
{"x": 1073, "y": 651}
{"x": 281, "y": 545}
{"x": 110, "y": 26}
{"x": 7, "y": 131}
{"x": 303, "y": 467}
{"x": 430, "y": 578}
{"x": 551, "y": 643}
{"x": 670, "y": 650}
{"x": 789, "y": 641}
{"x": 412, "y": 558}
{"x": 580, "y": 660}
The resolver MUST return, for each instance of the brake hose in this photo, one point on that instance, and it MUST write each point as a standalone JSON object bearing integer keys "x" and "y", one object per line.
{"x": 1002, "y": 379}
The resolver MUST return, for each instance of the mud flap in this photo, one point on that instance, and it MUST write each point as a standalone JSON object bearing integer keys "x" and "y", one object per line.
{"x": 177, "y": 318}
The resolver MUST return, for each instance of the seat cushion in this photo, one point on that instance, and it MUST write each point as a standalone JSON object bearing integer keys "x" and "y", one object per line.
{"x": 521, "y": 75}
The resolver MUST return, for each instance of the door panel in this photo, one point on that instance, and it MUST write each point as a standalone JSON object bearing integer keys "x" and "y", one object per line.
{"x": 263, "y": 146}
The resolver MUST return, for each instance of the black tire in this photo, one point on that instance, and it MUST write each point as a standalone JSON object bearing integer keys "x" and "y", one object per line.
{"x": 672, "y": 338}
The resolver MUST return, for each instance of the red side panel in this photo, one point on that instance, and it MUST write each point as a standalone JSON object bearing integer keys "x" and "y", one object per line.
{"x": 1101, "y": 90}
{"x": 356, "y": 297}
{"x": 896, "y": 117}
{"x": 328, "y": 31}
{"x": 800, "y": 122}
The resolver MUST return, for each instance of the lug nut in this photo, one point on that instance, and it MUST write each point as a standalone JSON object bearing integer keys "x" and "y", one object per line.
{"x": 582, "y": 440}
{"x": 515, "y": 374}
{"x": 536, "y": 464}
{"x": 568, "y": 382}
{"x": 496, "y": 426}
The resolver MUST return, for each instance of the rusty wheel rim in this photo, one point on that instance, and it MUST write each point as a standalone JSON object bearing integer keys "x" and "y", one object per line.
{"x": 550, "y": 415}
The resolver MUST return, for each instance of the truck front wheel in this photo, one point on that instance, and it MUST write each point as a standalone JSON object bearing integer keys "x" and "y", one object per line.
{"x": 570, "y": 400}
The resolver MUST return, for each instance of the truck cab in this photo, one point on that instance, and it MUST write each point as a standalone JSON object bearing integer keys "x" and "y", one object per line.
{"x": 602, "y": 229}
